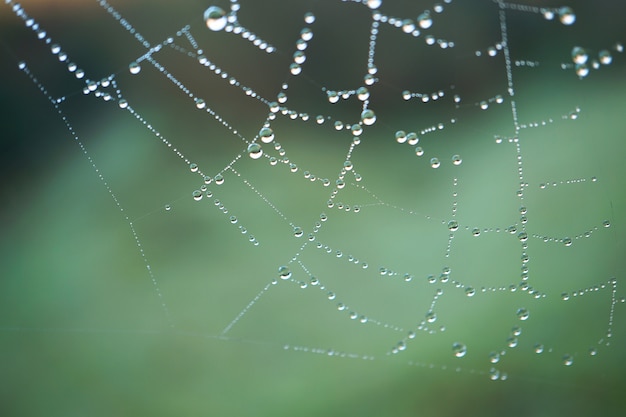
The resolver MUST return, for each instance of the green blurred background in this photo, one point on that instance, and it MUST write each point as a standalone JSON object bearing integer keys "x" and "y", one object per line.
{"x": 85, "y": 330}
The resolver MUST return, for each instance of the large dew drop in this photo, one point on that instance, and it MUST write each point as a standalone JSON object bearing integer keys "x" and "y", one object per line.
{"x": 284, "y": 272}
{"x": 459, "y": 350}
{"x": 374, "y": 4}
{"x": 134, "y": 68}
{"x": 567, "y": 16}
{"x": 368, "y": 117}
{"x": 424, "y": 20}
{"x": 255, "y": 151}
{"x": 215, "y": 18}
{"x": 266, "y": 134}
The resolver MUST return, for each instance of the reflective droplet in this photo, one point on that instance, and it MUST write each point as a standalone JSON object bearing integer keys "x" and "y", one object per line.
{"x": 567, "y": 16}
{"x": 434, "y": 162}
{"x": 284, "y": 272}
{"x": 266, "y": 134}
{"x": 568, "y": 360}
{"x": 295, "y": 69}
{"x": 255, "y": 151}
{"x": 233, "y": 219}
{"x": 219, "y": 179}
{"x": 579, "y": 55}
{"x": 606, "y": 223}
{"x": 306, "y": 34}
{"x": 408, "y": 26}
{"x": 309, "y": 18}
{"x": 469, "y": 291}
{"x": 431, "y": 317}
{"x": 419, "y": 151}
{"x": 567, "y": 241}
{"x": 593, "y": 351}
{"x": 456, "y": 160}
{"x": 476, "y": 231}
{"x": 368, "y": 117}
{"x": 362, "y": 93}
{"x": 215, "y": 18}
{"x": 538, "y": 348}
{"x": 424, "y": 20}
{"x": 400, "y": 136}
{"x": 168, "y": 207}
{"x": 374, "y": 4}
{"x": 453, "y": 225}
{"x": 523, "y": 314}
{"x": 197, "y": 195}
{"x": 494, "y": 374}
{"x": 412, "y": 139}
{"x": 459, "y": 350}
{"x": 494, "y": 357}
{"x": 134, "y": 68}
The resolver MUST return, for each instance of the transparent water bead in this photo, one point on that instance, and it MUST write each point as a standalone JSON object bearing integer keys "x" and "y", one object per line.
{"x": 424, "y": 20}
{"x": 523, "y": 314}
{"x": 266, "y": 134}
{"x": 215, "y": 18}
{"x": 255, "y": 151}
{"x": 374, "y": 4}
{"x": 134, "y": 68}
{"x": 434, "y": 162}
{"x": 284, "y": 272}
{"x": 368, "y": 117}
{"x": 567, "y": 16}
{"x": 459, "y": 350}
{"x": 579, "y": 55}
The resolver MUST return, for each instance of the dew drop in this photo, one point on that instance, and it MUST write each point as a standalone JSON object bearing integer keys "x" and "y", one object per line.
{"x": 255, "y": 151}
{"x": 567, "y": 241}
{"x": 368, "y": 117}
{"x": 494, "y": 357}
{"x": 456, "y": 160}
{"x": 469, "y": 291}
{"x": 215, "y": 18}
{"x": 453, "y": 225}
{"x": 579, "y": 55}
{"x": 567, "y": 16}
{"x": 523, "y": 314}
{"x": 168, "y": 207}
{"x": 134, "y": 68}
{"x": 266, "y": 134}
{"x": 374, "y": 4}
{"x": 219, "y": 179}
{"x": 568, "y": 360}
{"x": 400, "y": 136}
{"x": 538, "y": 348}
{"x": 434, "y": 162}
{"x": 419, "y": 151}
{"x": 459, "y": 350}
{"x": 197, "y": 195}
{"x": 424, "y": 20}
{"x": 284, "y": 272}
{"x": 431, "y": 317}
{"x": 605, "y": 57}
{"x": 362, "y": 93}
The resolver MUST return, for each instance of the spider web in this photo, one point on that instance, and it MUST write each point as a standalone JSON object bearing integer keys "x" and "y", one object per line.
{"x": 331, "y": 189}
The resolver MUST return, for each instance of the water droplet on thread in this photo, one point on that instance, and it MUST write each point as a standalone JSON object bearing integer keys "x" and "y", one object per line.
{"x": 215, "y": 18}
